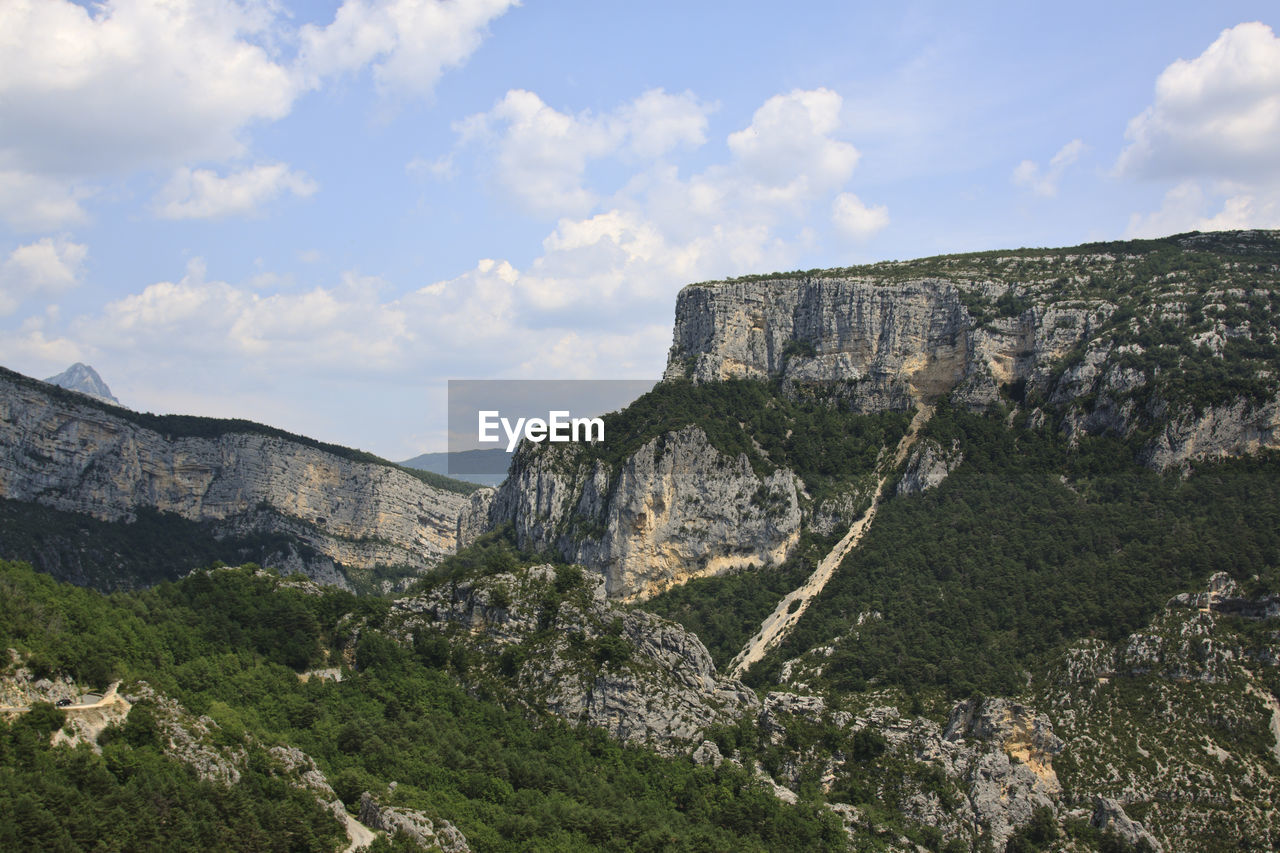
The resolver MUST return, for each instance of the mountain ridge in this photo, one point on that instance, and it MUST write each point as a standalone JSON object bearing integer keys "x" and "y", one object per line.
{"x": 1170, "y": 346}
{"x": 345, "y": 509}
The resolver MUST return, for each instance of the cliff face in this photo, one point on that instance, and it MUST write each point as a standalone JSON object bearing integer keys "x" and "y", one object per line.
{"x": 677, "y": 509}
{"x": 894, "y": 343}
{"x": 1170, "y": 345}
{"x": 1175, "y": 345}
{"x": 83, "y": 458}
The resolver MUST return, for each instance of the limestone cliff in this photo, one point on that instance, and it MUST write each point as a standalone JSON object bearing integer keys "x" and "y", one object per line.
{"x": 1176, "y": 337}
{"x": 677, "y": 509}
{"x": 892, "y": 343}
{"x": 69, "y": 453}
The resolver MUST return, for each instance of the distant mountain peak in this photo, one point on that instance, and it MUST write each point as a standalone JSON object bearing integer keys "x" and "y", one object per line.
{"x": 83, "y": 378}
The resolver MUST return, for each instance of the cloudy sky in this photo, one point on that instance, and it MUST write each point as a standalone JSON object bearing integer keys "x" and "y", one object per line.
{"x": 313, "y": 214}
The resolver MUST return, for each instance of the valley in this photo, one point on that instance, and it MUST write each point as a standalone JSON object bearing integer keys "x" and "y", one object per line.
{"x": 966, "y": 553}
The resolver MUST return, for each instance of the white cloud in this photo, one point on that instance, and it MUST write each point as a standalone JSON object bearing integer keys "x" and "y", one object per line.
{"x": 1215, "y": 116}
{"x": 596, "y": 301}
{"x": 203, "y": 194}
{"x": 1045, "y": 182}
{"x": 355, "y": 325}
{"x": 341, "y": 327}
{"x": 1212, "y": 128}
{"x": 95, "y": 92}
{"x": 407, "y": 43}
{"x": 132, "y": 83}
{"x": 541, "y": 154}
{"x": 1190, "y": 207}
{"x": 616, "y": 260}
{"x": 31, "y": 346}
{"x": 656, "y": 123}
{"x": 789, "y": 149}
{"x": 855, "y": 219}
{"x": 785, "y": 160}
{"x": 45, "y": 268}
{"x": 30, "y": 202}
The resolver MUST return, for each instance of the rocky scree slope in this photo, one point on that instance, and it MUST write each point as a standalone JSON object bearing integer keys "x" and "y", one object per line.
{"x": 64, "y": 451}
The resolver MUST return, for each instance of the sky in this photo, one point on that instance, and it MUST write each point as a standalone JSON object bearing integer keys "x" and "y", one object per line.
{"x": 315, "y": 214}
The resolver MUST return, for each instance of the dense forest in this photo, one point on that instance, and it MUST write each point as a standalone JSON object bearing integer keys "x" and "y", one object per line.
{"x": 1026, "y": 546}
{"x": 229, "y": 643}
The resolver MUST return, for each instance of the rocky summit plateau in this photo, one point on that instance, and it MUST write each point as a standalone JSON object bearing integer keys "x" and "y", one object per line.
{"x": 975, "y": 552}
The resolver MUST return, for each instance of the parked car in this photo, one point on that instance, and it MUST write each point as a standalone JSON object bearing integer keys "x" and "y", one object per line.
{"x": 62, "y": 703}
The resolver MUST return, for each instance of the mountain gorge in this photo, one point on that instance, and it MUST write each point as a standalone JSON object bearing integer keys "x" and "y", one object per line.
{"x": 1168, "y": 346}
{"x": 1015, "y": 517}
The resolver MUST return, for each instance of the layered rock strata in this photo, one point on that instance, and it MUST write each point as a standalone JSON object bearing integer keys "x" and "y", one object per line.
{"x": 83, "y": 457}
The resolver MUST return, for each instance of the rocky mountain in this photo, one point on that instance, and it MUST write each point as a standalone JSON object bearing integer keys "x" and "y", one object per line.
{"x": 1098, "y": 434}
{"x": 1170, "y": 345}
{"x": 1175, "y": 336}
{"x": 567, "y": 649}
{"x": 330, "y": 511}
{"x": 678, "y": 508}
{"x": 83, "y": 378}
{"x": 994, "y": 538}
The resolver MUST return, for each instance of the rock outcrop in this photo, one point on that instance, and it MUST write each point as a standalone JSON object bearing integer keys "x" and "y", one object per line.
{"x": 928, "y": 465}
{"x": 564, "y": 647}
{"x": 677, "y": 509}
{"x": 890, "y": 343}
{"x": 412, "y": 824}
{"x": 990, "y": 768}
{"x": 1008, "y": 783}
{"x": 70, "y": 453}
{"x": 1109, "y": 815}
